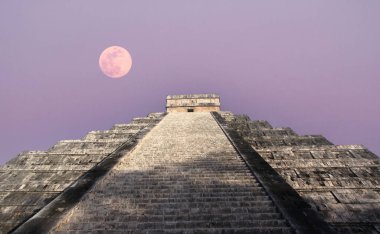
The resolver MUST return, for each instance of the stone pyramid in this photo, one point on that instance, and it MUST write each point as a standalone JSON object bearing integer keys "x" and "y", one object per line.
{"x": 192, "y": 169}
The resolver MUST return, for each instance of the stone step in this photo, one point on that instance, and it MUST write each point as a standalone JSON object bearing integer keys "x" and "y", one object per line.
{"x": 175, "y": 188}
{"x": 198, "y": 217}
{"x": 193, "y": 173}
{"x": 219, "y": 161}
{"x": 204, "y": 204}
{"x": 191, "y": 195}
{"x": 212, "y": 210}
{"x": 204, "y": 190}
{"x": 189, "y": 214}
{"x": 205, "y": 168}
{"x": 187, "y": 217}
{"x": 201, "y": 199}
{"x": 189, "y": 177}
{"x": 209, "y": 224}
{"x": 170, "y": 183}
{"x": 250, "y": 230}
{"x": 184, "y": 177}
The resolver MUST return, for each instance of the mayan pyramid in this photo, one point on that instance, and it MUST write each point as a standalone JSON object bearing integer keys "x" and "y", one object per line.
{"x": 192, "y": 169}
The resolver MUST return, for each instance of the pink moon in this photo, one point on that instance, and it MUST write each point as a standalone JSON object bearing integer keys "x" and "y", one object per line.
{"x": 115, "y": 62}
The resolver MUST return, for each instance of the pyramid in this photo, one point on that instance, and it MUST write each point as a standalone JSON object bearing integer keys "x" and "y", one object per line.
{"x": 192, "y": 169}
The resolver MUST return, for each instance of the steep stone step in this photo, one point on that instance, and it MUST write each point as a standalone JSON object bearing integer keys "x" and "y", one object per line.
{"x": 192, "y": 195}
{"x": 210, "y": 224}
{"x": 184, "y": 176}
{"x": 211, "y": 230}
{"x": 190, "y": 217}
{"x": 206, "y": 204}
{"x": 201, "y": 199}
{"x": 169, "y": 183}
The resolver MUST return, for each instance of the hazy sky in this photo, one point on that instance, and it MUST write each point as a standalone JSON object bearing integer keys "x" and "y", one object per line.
{"x": 310, "y": 65}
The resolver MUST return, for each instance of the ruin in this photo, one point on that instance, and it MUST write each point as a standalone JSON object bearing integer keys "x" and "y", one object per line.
{"x": 192, "y": 169}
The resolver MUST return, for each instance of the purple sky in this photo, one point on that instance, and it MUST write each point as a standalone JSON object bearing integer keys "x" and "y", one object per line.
{"x": 311, "y": 65}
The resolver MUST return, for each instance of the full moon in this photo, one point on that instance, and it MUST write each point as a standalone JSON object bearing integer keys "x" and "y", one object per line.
{"x": 115, "y": 62}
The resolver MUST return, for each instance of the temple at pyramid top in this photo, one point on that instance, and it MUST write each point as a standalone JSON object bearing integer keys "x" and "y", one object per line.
{"x": 193, "y": 103}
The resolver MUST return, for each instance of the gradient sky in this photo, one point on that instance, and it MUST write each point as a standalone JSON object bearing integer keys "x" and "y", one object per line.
{"x": 311, "y": 65}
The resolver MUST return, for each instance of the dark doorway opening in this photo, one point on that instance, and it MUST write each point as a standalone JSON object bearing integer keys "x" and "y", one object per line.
{"x": 190, "y": 110}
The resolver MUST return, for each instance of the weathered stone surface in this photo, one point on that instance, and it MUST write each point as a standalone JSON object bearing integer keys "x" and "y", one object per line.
{"x": 184, "y": 176}
{"x": 341, "y": 182}
{"x": 33, "y": 179}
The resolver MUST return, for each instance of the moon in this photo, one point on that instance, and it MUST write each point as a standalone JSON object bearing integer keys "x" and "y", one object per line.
{"x": 115, "y": 61}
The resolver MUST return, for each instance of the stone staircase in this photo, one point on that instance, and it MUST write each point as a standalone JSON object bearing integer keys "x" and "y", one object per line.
{"x": 183, "y": 177}
{"x": 34, "y": 178}
{"x": 341, "y": 182}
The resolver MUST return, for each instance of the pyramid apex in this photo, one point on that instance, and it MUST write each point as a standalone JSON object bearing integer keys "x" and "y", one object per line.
{"x": 193, "y": 103}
